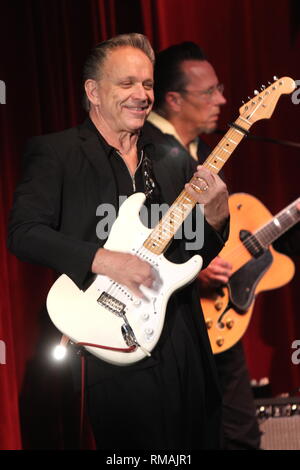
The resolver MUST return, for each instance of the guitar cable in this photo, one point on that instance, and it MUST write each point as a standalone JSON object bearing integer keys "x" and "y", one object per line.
{"x": 59, "y": 354}
{"x": 82, "y": 399}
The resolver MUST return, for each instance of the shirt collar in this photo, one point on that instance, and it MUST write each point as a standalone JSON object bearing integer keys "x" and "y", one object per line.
{"x": 166, "y": 127}
{"x": 142, "y": 142}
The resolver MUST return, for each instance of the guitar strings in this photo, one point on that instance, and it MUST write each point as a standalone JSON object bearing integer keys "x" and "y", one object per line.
{"x": 115, "y": 289}
{"x": 239, "y": 251}
{"x": 164, "y": 223}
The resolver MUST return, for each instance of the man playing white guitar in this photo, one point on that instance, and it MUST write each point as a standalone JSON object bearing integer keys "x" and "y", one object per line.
{"x": 170, "y": 400}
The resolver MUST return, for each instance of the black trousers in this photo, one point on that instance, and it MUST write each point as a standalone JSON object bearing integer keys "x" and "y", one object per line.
{"x": 240, "y": 428}
{"x": 166, "y": 402}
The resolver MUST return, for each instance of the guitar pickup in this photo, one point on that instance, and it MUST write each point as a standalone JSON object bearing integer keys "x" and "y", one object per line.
{"x": 251, "y": 243}
{"x": 112, "y": 304}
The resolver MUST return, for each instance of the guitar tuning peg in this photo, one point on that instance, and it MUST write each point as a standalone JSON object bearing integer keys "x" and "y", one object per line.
{"x": 249, "y": 98}
{"x": 269, "y": 83}
{"x": 243, "y": 102}
{"x": 275, "y": 78}
{"x": 256, "y": 92}
{"x": 263, "y": 87}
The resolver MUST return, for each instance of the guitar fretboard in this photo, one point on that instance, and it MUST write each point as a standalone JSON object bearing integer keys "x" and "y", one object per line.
{"x": 278, "y": 225}
{"x": 165, "y": 230}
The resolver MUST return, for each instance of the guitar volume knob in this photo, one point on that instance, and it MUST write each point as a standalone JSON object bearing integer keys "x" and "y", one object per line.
{"x": 218, "y": 305}
{"x": 208, "y": 323}
{"x": 149, "y": 331}
{"x": 229, "y": 323}
{"x": 220, "y": 341}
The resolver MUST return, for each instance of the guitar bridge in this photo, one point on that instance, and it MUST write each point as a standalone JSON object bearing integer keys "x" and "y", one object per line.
{"x": 112, "y": 304}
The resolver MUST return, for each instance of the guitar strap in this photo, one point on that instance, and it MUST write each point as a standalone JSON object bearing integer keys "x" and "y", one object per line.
{"x": 239, "y": 128}
{"x": 151, "y": 187}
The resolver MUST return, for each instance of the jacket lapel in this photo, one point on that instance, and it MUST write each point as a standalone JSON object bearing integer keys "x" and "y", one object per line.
{"x": 162, "y": 175}
{"x": 98, "y": 157}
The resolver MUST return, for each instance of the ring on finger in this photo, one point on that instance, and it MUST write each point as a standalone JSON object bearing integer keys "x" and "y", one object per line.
{"x": 203, "y": 186}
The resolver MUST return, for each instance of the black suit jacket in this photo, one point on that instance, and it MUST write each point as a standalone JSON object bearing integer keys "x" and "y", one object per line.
{"x": 67, "y": 175}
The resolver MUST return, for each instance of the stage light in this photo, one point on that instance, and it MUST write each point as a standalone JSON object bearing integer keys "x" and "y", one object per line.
{"x": 60, "y": 351}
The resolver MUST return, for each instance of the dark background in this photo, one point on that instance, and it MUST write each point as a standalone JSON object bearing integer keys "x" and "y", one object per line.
{"x": 43, "y": 45}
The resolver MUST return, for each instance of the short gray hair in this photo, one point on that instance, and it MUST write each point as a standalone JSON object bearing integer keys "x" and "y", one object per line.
{"x": 97, "y": 56}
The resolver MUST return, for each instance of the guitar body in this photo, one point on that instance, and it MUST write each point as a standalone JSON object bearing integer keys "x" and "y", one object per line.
{"x": 227, "y": 325}
{"x": 90, "y": 316}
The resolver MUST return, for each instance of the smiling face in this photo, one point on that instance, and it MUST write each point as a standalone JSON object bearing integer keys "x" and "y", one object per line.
{"x": 201, "y": 99}
{"x": 123, "y": 96}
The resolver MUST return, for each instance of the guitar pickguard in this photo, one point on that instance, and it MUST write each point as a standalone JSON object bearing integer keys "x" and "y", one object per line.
{"x": 243, "y": 282}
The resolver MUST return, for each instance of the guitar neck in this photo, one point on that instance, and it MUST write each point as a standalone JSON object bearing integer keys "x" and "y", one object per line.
{"x": 227, "y": 145}
{"x": 165, "y": 230}
{"x": 278, "y": 225}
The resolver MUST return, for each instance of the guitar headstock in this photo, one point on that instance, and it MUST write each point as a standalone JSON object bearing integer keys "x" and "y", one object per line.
{"x": 262, "y": 105}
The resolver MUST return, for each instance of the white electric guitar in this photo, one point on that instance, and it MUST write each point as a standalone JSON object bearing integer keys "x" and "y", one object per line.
{"x": 106, "y": 318}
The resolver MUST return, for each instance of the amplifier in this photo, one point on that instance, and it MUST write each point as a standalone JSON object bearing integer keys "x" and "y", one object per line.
{"x": 279, "y": 422}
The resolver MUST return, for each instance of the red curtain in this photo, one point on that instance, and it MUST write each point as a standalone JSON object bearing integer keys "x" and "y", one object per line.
{"x": 42, "y": 48}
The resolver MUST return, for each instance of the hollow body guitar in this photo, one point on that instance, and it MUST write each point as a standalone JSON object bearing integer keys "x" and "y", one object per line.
{"x": 106, "y": 318}
{"x": 256, "y": 265}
